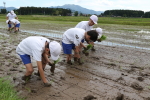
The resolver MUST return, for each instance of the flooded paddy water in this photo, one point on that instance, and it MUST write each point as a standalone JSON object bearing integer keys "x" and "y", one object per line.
{"x": 119, "y": 69}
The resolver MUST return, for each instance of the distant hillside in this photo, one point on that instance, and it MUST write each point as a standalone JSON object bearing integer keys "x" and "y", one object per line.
{"x": 8, "y": 8}
{"x": 80, "y": 9}
{"x": 72, "y": 7}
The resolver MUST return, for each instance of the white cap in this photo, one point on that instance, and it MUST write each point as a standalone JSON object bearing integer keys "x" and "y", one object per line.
{"x": 94, "y": 18}
{"x": 7, "y": 21}
{"x": 99, "y": 31}
{"x": 12, "y": 11}
{"x": 55, "y": 50}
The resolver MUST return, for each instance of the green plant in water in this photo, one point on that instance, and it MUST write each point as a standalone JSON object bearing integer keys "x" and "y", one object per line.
{"x": 89, "y": 47}
{"x": 56, "y": 61}
{"x": 102, "y": 38}
{"x": 86, "y": 50}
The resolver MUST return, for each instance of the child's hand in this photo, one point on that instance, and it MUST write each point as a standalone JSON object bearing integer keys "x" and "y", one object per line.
{"x": 99, "y": 40}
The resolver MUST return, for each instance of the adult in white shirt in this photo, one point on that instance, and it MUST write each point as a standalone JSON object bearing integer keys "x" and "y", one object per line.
{"x": 11, "y": 16}
{"x": 72, "y": 39}
{"x": 40, "y": 49}
{"x": 16, "y": 24}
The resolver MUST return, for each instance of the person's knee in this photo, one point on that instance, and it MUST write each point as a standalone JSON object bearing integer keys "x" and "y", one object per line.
{"x": 30, "y": 71}
{"x": 69, "y": 55}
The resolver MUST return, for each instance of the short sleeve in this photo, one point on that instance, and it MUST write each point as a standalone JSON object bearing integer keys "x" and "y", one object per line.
{"x": 77, "y": 40}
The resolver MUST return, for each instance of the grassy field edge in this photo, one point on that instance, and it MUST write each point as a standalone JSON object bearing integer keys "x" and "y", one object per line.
{"x": 101, "y": 20}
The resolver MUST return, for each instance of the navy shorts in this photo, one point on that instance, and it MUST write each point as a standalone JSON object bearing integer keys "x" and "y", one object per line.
{"x": 25, "y": 59}
{"x": 9, "y": 25}
{"x": 67, "y": 48}
{"x": 17, "y": 25}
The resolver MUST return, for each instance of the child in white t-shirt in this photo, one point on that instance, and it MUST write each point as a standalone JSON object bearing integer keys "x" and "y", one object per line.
{"x": 87, "y": 26}
{"x": 16, "y": 24}
{"x": 11, "y": 16}
{"x": 72, "y": 39}
{"x": 40, "y": 49}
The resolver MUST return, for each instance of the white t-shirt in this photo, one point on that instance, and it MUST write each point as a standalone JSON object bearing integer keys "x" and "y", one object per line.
{"x": 84, "y": 25}
{"x": 15, "y": 21}
{"x": 73, "y": 35}
{"x": 33, "y": 46}
{"x": 11, "y": 16}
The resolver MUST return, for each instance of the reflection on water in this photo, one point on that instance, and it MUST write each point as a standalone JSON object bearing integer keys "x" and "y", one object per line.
{"x": 117, "y": 44}
{"x": 44, "y": 33}
{"x": 54, "y": 34}
{"x": 142, "y": 31}
{"x": 4, "y": 34}
{"x": 102, "y": 43}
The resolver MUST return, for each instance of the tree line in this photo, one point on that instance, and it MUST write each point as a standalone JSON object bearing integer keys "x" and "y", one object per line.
{"x": 126, "y": 13}
{"x": 68, "y": 12}
{"x": 40, "y": 11}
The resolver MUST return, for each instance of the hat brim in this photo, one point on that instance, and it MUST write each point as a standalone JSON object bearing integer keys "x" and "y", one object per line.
{"x": 54, "y": 57}
{"x": 95, "y": 22}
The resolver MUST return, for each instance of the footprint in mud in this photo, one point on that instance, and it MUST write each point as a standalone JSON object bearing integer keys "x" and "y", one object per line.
{"x": 119, "y": 96}
{"x": 120, "y": 78}
{"x": 136, "y": 86}
{"x": 95, "y": 58}
{"x": 144, "y": 74}
{"x": 130, "y": 70}
{"x": 62, "y": 78}
{"x": 147, "y": 98}
{"x": 89, "y": 97}
{"x": 140, "y": 79}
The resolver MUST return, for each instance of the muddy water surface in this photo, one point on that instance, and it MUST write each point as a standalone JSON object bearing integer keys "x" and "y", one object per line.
{"x": 112, "y": 72}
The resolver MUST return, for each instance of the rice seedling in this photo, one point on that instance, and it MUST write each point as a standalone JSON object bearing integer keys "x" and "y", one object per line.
{"x": 102, "y": 38}
{"x": 56, "y": 61}
{"x": 86, "y": 50}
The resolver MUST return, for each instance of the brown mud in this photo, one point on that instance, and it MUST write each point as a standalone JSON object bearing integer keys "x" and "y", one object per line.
{"x": 109, "y": 73}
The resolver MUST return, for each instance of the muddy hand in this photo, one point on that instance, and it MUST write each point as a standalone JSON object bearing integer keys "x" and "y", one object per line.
{"x": 52, "y": 67}
{"x": 93, "y": 49}
{"x": 99, "y": 40}
{"x": 84, "y": 51}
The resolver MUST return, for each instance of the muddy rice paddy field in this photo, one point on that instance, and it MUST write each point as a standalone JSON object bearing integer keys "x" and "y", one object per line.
{"x": 119, "y": 69}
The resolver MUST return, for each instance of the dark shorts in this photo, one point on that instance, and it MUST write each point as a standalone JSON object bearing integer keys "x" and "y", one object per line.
{"x": 9, "y": 25}
{"x": 17, "y": 25}
{"x": 67, "y": 48}
{"x": 25, "y": 59}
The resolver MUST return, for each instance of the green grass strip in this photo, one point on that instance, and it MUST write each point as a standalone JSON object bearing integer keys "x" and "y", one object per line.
{"x": 7, "y": 92}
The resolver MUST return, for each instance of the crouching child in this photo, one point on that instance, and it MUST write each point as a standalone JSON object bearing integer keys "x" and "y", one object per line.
{"x": 71, "y": 41}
